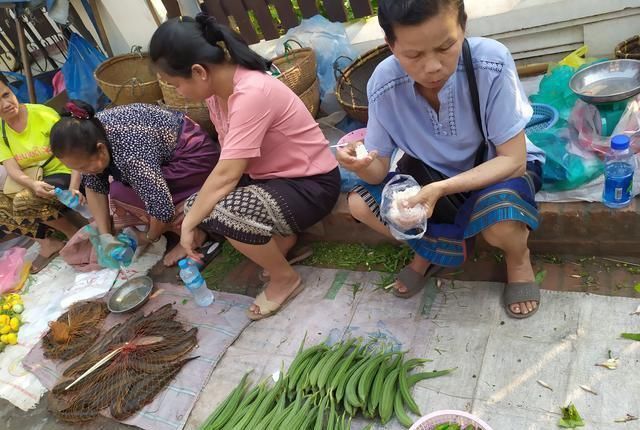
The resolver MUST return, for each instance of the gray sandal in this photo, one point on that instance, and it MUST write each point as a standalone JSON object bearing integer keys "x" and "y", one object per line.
{"x": 519, "y": 292}
{"x": 413, "y": 281}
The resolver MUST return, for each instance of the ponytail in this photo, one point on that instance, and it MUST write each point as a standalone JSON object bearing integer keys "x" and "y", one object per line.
{"x": 179, "y": 43}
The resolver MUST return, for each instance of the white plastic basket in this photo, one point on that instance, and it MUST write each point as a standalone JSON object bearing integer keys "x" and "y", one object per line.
{"x": 434, "y": 419}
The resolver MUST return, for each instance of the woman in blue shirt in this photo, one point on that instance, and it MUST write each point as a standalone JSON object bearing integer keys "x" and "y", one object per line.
{"x": 457, "y": 110}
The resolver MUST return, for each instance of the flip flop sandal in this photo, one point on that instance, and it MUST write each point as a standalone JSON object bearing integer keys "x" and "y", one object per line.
{"x": 296, "y": 255}
{"x": 519, "y": 292}
{"x": 210, "y": 250}
{"x": 413, "y": 281}
{"x": 269, "y": 308}
{"x": 41, "y": 262}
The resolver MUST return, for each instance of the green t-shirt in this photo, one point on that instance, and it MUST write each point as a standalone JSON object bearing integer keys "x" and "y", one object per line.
{"x": 31, "y": 147}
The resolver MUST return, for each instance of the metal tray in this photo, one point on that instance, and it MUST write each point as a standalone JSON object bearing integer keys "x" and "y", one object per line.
{"x": 131, "y": 295}
{"x": 607, "y": 82}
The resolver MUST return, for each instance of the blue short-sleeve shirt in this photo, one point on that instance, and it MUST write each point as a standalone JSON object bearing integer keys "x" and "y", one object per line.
{"x": 399, "y": 117}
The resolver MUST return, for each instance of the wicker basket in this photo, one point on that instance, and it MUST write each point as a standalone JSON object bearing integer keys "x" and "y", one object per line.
{"x": 298, "y": 68}
{"x": 629, "y": 49}
{"x": 351, "y": 86}
{"x": 128, "y": 79}
{"x": 311, "y": 98}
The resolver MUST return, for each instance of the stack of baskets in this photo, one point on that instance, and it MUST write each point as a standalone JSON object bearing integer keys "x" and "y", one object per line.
{"x": 128, "y": 79}
{"x": 351, "y": 85}
{"x": 197, "y": 111}
{"x": 629, "y": 49}
{"x": 298, "y": 70}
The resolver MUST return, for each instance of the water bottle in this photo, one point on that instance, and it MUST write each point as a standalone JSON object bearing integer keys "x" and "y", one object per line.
{"x": 195, "y": 283}
{"x": 124, "y": 254}
{"x": 72, "y": 201}
{"x": 618, "y": 173}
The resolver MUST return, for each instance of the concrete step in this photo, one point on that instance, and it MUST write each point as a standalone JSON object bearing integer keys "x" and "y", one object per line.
{"x": 566, "y": 228}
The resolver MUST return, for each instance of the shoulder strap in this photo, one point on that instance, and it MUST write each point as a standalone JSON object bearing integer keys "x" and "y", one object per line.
{"x": 4, "y": 134}
{"x": 475, "y": 100}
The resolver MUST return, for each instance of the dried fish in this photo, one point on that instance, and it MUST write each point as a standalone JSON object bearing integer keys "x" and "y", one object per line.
{"x": 544, "y": 384}
{"x": 124, "y": 369}
{"x": 75, "y": 331}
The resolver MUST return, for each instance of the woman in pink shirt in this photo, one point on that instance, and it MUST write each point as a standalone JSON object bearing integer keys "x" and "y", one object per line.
{"x": 276, "y": 176}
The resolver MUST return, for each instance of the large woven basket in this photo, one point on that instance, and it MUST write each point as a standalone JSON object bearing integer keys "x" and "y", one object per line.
{"x": 311, "y": 98}
{"x": 298, "y": 68}
{"x": 197, "y": 111}
{"x": 629, "y": 49}
{"x": 351, "y": 85}
{"x": 128, "y": 79}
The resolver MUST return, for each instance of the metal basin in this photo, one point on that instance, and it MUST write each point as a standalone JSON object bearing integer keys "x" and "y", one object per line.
{"x": 607, "y": 82}
{"x": 131, "y": 295}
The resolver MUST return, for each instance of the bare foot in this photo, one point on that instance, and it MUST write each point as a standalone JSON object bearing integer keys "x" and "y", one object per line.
{"x": 279, "y": 291}
{"x": 176, "y": 254}
{"x": 523, "y": 308}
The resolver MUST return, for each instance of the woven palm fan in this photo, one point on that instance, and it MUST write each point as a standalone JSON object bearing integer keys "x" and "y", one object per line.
{"x": 351, "y": 84}
{"x": 629, "y": 49}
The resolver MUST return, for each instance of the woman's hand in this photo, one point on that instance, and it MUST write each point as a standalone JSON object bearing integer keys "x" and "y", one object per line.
{"x": 81, "y": 198}
{"x": 43, "y": 190}
{"x": 346, "y": 156}
{"x": 188, "y": 242}
{"x": 428, "y": 196}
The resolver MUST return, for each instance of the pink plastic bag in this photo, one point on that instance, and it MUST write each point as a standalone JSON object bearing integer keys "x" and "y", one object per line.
{"x": 15, "y": 269}
{"x": 586, "y": 127}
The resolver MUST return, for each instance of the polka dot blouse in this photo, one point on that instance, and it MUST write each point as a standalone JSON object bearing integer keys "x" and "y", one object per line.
{"x": 141, "y": 137}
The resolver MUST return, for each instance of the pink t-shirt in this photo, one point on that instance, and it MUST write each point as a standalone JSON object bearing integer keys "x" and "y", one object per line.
{"x": 269, "y": 125}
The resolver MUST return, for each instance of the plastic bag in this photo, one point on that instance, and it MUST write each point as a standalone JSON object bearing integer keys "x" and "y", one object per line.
{"x": 568, "y": 165}
{"x": 404, "y": 223}
{"x": 19, "y": 87}
{"x": 592, "y": 126}
{"x": 554, "y": 90}
{"x": 576, "y": 58}
{"x": 348, "y": 179}
{"x": 328, "y": 40}
{"x": 15, "y": 269}
{"x": 104, "y": 259}
{"x": 82, "y": 61}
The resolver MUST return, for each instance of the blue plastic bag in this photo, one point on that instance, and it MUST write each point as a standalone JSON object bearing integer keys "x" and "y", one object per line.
{"x": 82, "y": 61}
{"x": 328, "y": 40}
{"x": 19, "y": 87}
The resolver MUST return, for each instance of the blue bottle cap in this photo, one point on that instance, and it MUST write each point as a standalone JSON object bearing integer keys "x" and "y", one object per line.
{"x": 620, "y": 142}
{"x": 184, "y": 263}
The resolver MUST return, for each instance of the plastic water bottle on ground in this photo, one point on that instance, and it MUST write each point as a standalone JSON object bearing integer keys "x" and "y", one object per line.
{"x": 195, "y": 283}
{"x": 72, "y": 201}
{"x": 124, "y": 254}
{"x": 618, "y": 173}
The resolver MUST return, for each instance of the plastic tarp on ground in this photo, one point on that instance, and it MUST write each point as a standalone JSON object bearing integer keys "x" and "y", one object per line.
{"x": 499, "y": 360}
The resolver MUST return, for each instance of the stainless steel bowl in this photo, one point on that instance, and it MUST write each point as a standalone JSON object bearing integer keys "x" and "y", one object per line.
{"x": 131, "y": 295}
{"x": 606, "y": 82}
